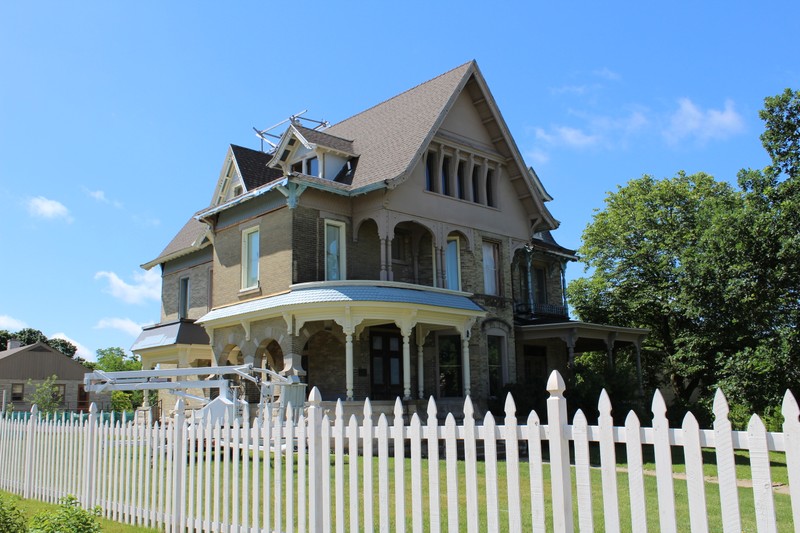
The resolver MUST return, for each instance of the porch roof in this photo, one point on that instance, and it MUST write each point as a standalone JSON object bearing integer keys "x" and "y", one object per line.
{"x": 319, "y": 296}
{"x": 160, "y": 335}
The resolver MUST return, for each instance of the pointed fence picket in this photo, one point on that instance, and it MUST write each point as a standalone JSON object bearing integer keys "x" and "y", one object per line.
{"x": 307, "y": 472}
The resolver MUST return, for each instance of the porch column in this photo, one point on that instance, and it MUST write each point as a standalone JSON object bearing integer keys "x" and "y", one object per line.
{"x": 638, "y": 345}
{"x": 612, "y": 337}
{"x": 146, "y": 394}
{"x": 465, "y": 362}
{"x": 389, "y": 272}
{"x": 421, "y": 333}
{"x": 406, "y": 363}
{"x": 528, "y": 260}
{"x": 383, "y": 259}
{"x": 348, "y": 362}
{"x": 571, "y": 348}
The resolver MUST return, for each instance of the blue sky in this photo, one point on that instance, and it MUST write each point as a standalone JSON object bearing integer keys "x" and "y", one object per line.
{"x": 115, "y": 117}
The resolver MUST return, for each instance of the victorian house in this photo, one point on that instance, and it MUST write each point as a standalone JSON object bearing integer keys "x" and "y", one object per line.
{"x": 405, "y": 251}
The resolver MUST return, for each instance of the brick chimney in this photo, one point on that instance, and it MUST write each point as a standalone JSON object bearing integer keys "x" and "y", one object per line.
{"x": 14, "y": 343}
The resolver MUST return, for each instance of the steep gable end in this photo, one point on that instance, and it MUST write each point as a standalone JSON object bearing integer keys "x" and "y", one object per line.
{"x": 390, "y": 136}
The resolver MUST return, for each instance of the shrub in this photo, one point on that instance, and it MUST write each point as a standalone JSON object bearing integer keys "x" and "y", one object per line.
{"x": 11, "y": 519}
{"x": 69, "y": 517}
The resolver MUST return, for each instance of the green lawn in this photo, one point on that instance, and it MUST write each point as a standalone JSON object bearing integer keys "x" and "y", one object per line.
{"x": 32, "y": 507}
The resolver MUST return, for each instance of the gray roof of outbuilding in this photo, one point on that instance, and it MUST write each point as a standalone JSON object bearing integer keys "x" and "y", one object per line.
{"x": 39, "y": 361}
{"x": 346, "y": 294}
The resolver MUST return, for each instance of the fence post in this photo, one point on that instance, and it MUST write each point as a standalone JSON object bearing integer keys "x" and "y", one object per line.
{"x": 315, "y": 461}
{"x": 559, "y": 454}
{"x": 88, "y": 458}
{"x": 179, "y": 468}
{"x": 27, "y": 482}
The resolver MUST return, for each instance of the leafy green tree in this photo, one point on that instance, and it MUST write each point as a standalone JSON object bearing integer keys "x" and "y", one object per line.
{"x": 32, "y": 336}
{"x": 46, "y": 395}
{"x": 63, "y": 346}
{"x": 644, "y": 249}
{"x": 781, "y": 138}
{"x": 712, "y": 272}
{"x": 115, "y": 359}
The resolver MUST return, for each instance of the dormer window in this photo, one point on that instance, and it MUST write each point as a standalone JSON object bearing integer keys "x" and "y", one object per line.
{"x": 312, "y": 166}
{"x": 308, "y": 166}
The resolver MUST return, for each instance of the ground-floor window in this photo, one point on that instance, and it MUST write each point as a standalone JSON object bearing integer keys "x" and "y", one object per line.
{"x": 450, "y": 373}
{"x": 496, "y": 355}
{"x": 17, "y": 392}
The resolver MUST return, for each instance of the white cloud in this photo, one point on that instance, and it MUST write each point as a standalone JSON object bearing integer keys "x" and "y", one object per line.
{"x": 100, "y": 196}
{"x": 145, "y": 286}
{"x": 82, "y": 352}
{"x": 538, "y": 156}
{"x": 146, "y": 221}
{"x": 691, "y": 121}
{"x": 125, "y": 325}
{"x": 607, "y": 74}
{"x": 11, "y": 324}
{"x": 45, "y": 208}
{"x": 566, "y": 136}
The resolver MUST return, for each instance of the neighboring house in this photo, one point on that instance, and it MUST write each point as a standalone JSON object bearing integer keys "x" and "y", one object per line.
{"x": 24, "y": 368}
{"x": 405, "y": 251}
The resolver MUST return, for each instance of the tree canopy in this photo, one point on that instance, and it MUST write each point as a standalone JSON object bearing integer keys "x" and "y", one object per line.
{"x": 710, "y": 269}
{"x": 32, "y": 336}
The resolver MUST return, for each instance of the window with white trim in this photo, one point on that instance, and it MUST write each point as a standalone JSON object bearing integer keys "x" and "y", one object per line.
{"x": 491, "y": 268}
{"x": 335, "y": 258}
{"x": 452, "y": 264}
{"x": 250, "y": 255}
{"x": 183, "y": 298}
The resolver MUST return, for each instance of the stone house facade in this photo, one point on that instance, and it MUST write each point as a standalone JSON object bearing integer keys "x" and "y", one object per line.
{"x": 406, "y": 251}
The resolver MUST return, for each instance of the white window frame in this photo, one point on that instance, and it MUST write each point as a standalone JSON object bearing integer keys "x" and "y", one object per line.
{"x": 247, "y": 257}
{"x": 184, "y": 297}
{"x": 448, "y": 281}
{"x": 495, "y": 247}
{"x": 340, "y": 226}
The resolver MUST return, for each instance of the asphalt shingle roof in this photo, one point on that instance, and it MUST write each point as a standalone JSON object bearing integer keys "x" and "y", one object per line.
{"x": 253, "y": 167}
{"x": 186, "y": 237}
{"x": 388, "y": 136}
{"x": 323, "y": 138}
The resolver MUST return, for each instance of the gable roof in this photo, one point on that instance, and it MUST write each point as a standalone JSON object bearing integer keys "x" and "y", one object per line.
{"x": 252, "y": 166}
{"x": 37, "y": 362}
{"x": 326, "y": 140}
{"x": 389, "y": 136}
{"x": 191, "y": 237}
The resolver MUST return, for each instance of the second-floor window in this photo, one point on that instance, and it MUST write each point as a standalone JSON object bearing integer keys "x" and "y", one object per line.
{"x": 491, "y": 268}
{"x": 334, "y": 251}
{"x": 452, "y": 259}
{"x": 250, "y": 258}
{"x": 183, "y": 298}
{"x": 539, "y": 285}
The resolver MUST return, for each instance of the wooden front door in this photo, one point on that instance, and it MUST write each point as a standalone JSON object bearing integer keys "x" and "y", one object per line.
{"x": 386, "y": 355}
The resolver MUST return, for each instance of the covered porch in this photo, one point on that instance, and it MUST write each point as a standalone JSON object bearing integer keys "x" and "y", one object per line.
{"x": 355, "y": 337}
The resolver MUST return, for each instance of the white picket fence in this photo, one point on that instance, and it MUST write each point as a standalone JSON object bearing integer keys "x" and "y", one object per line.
{"x": 317, "y": 474}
